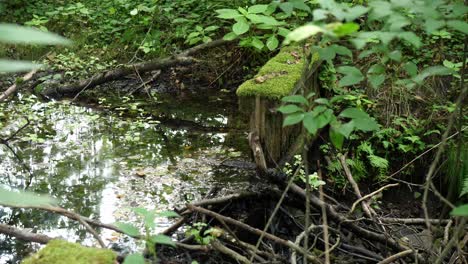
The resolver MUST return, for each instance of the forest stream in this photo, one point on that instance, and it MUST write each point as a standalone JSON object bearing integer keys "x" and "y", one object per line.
{"x": 101, "y": 163}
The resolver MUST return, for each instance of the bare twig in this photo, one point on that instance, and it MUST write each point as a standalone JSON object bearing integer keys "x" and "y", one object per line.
{"x": 231, "y": 253}
{"x": 324, "y": 219}
{"x": 456, "y": 234}
{"x": 24, "y": 235}
{"x": 365, "y": 206}
{"x": 425, "y": 152}
{"x": 440, "y": 150}
{"x": 367, "y": 196}
{"x": 253, "y": 230}
{"x": 273, "y": 214}
{"x": 413, "y": 221}
{"x": 393, "y": 258}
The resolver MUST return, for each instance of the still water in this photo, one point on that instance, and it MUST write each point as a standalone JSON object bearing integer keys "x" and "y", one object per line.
{"x": 101, "y": 160}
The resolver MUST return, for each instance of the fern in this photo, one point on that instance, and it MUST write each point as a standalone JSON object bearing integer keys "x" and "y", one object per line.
{"x": 465, "y": 187}
{"x": 378, "y": 162}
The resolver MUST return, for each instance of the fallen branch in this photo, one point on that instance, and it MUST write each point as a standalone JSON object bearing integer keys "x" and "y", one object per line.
{"x": 182, "y": 58}
{"x": 24, "y": 235}
{"x": 253, "y": 230}
{"x": 12, "y": 89}
{"x": 365, "y": 205}
{"x": 227, "y": 251}
{"x": 413, "y": 221}
{"x": 367, "y": 196}
{"x": 393, "y": 258}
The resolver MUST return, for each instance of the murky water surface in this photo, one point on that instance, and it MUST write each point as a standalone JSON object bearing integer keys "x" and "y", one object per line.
{"x": 101, "y": 161}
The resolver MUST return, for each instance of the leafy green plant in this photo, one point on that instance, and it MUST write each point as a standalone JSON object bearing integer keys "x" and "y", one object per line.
{"x": 151, "y": 240}
{"x": 262, "y": 26}
{"x": 202, "y": 234}
{"x": 201, "y": 35}
{"x": 320, "y": 113}
{"x": 312, "y": 179}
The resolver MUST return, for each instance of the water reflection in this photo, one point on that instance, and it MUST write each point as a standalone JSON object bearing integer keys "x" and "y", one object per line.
{"x": 88, "y": 160}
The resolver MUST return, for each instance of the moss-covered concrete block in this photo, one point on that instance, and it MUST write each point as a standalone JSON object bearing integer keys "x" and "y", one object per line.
{"x": 278, "y": 77}
{"x": 60, "y": 251}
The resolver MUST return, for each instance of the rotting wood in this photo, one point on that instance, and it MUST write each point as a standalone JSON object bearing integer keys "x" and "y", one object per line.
{"x": 253, "y": 230}
{"x": 183, "y": 58}
{"x": 12, "y": 89}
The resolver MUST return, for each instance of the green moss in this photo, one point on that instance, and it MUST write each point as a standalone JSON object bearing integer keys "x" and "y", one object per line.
{"x": 59, "y": 252}
{"x": 288, "y": 69}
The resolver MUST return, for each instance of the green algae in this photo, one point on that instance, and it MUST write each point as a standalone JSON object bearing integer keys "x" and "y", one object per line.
{"x": 60, "y": 251}
{"x": 287, "y": 68}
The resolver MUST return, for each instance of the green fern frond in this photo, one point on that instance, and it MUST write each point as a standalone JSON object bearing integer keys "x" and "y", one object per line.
{"x": 378, "y": 162}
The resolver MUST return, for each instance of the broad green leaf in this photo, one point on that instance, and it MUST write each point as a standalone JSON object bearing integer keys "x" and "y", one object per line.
{"x": 432, "y": 71}
{"x": 352, "y": 76}
{"x": 327, "y": 53}
{"x": 293, "y": 119}
{"x": 376, "y": 80}
{"x": 354, "y": 113}
{"x": 243, "y": 11}
{"x": 230, "y": 36}
{"x": 135, "y": 258}
{"x": 240, "y": 27}
{"x": 10, "y": 33}
{"x": 342, "y": 50}
{"x": 128, "y": 229}
{"x": 211, "y": 28}
{"x": 300, "y": 4}
{"x": 458, "y": 25}
{"x": 411, "y": 68}
{"x": 460, "y": 210}
{"x": 255, "y": 9}
{"x": 324, "y": 119}
{"x": 289, "y": 109}
{"x": 134, "y": 12}
{"x": 287, "y": 7}
{"x": 272, "y": 42}
{"x": 346, "y": 129}
{"x": 168, "y": 214}
{"x": 310, "y": 123}
{"x": 23, "y": 198}
{"x": 323, "y": 101}
{"x": 319, "y": 14}
{"x": 283, "y": 31}
{"x": 228, "y": 13}
{"x": 346, "y": 29}
{"x": 380, "y": 9}
{"x": 17, "y": 66}
{"x": 376, "y": 69}
{"x": 397, "y": 22}
{"x": 395, "y": 55}
{"x": 267, "y": 20}
{"x": 432, "y": 25}
{"x": 411, "y": 38}
{"x": 295, "y": 99}
{"x": 302, "y": 33}
{"x": 366, "y": 124}
{"x": 336, "y": 137}
{"x": 257, "y": 43}
{"x": 355, "y": 12}
{"x": 162, "y": 239}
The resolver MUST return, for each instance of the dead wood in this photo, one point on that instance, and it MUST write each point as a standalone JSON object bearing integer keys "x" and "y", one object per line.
{"x": 253, "y": 230}
{"x": 183, "y": 58}
{"x": 24, "y": 235}
{"x": 12, "y": 89}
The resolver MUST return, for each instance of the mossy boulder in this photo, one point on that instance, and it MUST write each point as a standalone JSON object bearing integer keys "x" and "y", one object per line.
{"x": 278, "y": 77}
{"x": 60, "y": 251}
